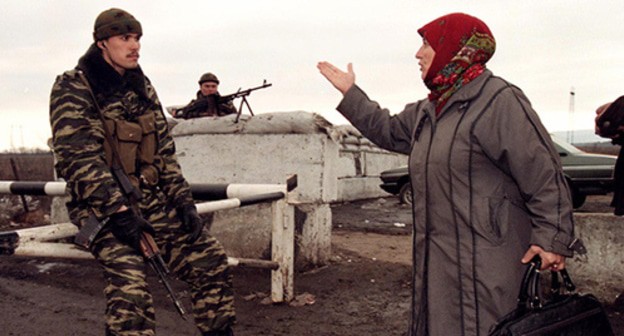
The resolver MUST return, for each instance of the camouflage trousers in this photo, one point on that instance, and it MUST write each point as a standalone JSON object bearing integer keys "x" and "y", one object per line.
{"x": 202, "y": 265}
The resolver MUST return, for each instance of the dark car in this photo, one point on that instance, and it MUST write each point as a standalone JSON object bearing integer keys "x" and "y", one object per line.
{"x": 586, "y": 173}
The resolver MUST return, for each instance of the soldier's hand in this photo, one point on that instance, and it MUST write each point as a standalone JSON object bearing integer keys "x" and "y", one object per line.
{"x": 191, "y": 222}
{"x": 128, "y": 226}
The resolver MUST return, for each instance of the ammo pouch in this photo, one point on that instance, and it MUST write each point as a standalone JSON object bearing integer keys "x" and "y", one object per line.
{"x": 136, "y": 144}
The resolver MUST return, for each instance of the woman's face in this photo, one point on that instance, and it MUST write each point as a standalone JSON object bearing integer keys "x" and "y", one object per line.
{"x": 425, "y": 56}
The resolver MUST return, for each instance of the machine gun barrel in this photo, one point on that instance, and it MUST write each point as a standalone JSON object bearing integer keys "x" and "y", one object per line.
{"x": 244, "y": 93}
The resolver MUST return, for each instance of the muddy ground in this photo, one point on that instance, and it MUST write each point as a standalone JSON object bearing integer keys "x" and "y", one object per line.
{"x": 365, "y": 289}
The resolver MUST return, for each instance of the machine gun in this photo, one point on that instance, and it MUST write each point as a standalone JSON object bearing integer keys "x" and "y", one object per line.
{"x": 215, "y": 102}
{"x": 243, "y": 94}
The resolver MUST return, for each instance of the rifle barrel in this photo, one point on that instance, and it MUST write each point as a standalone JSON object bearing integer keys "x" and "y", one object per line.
{"x": 152, "y": 254}
{"x": 162, "y": 279}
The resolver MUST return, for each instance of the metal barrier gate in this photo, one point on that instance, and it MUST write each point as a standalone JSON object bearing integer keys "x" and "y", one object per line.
{"x": 39, "y": 241}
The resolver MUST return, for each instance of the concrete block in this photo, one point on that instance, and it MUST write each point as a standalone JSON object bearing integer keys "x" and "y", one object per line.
{"x": 377, "y": 162}
{"x": 349, "y": 164}
{"x": 600, "y": 272}
{"x": 244, "y": 232}
{"x": 262, "y": 158}
{"x": 355, "y": 188}
{"x": 313, "y": 223}
{"x": 58, "y": 210}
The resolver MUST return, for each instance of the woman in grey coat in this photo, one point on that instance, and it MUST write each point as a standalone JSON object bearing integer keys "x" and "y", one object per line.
{"x": 489, "y": 191}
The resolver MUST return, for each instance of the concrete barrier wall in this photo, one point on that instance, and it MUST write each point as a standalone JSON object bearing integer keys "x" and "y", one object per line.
{"x": 327, "y": 171}
{"x": 332, "y": 164}
{"x": 325, "y": 175}
{"x": 360, "y": 164}
{"x": 601, "y": 271}
{"x": 262, "y": 158}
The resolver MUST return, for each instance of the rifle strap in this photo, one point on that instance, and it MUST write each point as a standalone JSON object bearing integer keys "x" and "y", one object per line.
{"x": 127, "y": 187}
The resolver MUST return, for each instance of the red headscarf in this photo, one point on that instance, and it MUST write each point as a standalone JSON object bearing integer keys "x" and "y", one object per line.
{"x": 462, "y": 45}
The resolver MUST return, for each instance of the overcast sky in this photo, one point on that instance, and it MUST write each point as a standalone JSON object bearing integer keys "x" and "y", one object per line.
{"x": 546, "y": 47}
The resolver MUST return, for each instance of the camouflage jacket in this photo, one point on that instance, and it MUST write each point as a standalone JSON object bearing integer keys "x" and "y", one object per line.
{"x": 78, "y": 139}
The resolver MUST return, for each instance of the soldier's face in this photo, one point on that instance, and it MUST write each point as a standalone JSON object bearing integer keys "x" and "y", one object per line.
{"x": 209, "y": 88}
{"x": 121, "y": 51}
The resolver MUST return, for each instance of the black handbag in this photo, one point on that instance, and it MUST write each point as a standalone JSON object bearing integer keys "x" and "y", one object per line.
{"x": 564, "y": 313}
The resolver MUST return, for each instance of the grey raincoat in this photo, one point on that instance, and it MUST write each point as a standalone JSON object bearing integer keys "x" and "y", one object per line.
{"x": 487, "y": 183}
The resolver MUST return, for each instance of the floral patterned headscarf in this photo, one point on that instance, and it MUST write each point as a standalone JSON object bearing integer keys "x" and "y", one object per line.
{"x": 462, "y": 45}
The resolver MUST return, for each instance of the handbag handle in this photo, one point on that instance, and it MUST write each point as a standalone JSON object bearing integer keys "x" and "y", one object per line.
{"x": 529, "y": 296}
{"x": 535, "y": 300}
{"x": 525, "y": 297}
{"x": 567, "y": 281}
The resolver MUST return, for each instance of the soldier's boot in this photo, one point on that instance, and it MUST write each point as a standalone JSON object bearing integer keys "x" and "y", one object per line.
{"x": 226, "y": 332}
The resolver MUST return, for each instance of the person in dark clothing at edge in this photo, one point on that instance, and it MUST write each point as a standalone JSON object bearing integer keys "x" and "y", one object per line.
{"x": 489, "y": 189}
{"x": 208, "y": 102}
{"x": 610, "y": 125}
{"x": 130, "y": 106}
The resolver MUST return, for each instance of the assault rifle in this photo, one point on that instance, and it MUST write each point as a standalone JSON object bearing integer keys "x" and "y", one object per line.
{"x": 92, "y": 226}
{"x": 149, "y": 249}
{"x": 152, "y": 255}
{"x": 243, "y": 94}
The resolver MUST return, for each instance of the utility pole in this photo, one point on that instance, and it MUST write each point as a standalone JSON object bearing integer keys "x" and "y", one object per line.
{"x": 21, "y": 129}
{"x": 11, "y": 138}
{"x": 571, "y": 117}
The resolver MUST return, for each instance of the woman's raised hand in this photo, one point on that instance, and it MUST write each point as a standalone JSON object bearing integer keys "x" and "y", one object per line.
{"x": 341, "y": 80}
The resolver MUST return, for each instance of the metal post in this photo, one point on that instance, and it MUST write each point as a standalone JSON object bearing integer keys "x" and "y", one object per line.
{"x": 15, "y": 174}
{"x": 283, "y": 251}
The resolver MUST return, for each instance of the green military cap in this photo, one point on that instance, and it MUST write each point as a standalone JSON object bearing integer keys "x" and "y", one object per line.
{"x": 113, "y": 22}
{"x": 208, "y": 77}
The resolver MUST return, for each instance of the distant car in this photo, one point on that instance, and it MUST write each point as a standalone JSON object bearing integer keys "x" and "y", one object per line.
{"x": 396, "y": 181}
{"x": 586, "y": 173}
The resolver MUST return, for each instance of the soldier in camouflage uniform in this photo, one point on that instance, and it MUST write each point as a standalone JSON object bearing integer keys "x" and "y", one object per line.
{"x": 132, "y": 111}
{"x": 208, "y": 103}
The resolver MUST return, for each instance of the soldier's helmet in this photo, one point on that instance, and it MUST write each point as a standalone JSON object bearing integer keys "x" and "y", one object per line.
{"x": 208, "y": 77}
{"x": 113, "y": 22}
